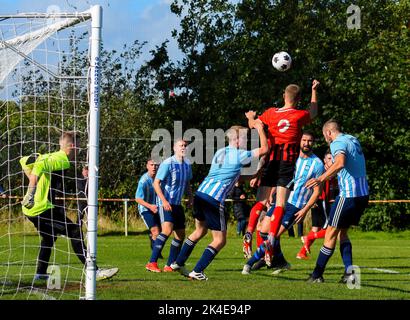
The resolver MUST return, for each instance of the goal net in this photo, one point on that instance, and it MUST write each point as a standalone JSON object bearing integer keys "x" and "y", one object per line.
{"x": 49, "y": 85}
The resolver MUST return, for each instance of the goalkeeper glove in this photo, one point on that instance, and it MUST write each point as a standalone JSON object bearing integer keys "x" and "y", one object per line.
{"x": 28, "y": 200}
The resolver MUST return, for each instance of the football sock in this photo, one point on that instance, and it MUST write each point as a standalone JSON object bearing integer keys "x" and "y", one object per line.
{"x": 258, "y": 238}
{"x": 174, "y": 251}
{"x": 303, "y": 251}
{"x": 206, "y": 258}
{"x": 312, "y": 236}
{"x": 277, "y": 250}
{"x": 324, "y": 256}
{"x": 151, "y": 241}
{"x": 277, "y": 220}
{"x": 254, "y": 216}
{"x": 346, "y": 253}
{"x": 300, "y": 229}
{"x": 158, "y": 245}
{"x": 185, "y": 252}
{"x": 259, "y": 253}
{"x": 320, "y": 234}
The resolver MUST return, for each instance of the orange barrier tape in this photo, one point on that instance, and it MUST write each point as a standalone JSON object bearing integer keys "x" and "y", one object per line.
{"x": 227, "y": 200}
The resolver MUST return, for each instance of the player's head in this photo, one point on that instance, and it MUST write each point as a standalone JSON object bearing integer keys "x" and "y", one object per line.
{"x": 327, "y": 159}
{"x": 237, "y": 136}
{"x": 152, "y": 167}
{"x": 306, "y": 143}
{"x": 180, "y": 146}
{"x": 292, "y": 94}
{"x": 85, "y": 172}
{"x": 331, "y": 129}
{"x": 68, "y": 143}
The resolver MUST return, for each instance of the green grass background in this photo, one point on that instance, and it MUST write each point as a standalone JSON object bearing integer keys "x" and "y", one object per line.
{"x": 391, "y": 251}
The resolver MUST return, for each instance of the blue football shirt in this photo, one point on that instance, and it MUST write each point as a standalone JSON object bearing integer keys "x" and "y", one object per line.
{"x": 306, "y": 168}
{"x": 352, "y": 178}
{"x": 174, "y": 176}
{"x": 145, "y": 191}
{"x": 224, "y": 172}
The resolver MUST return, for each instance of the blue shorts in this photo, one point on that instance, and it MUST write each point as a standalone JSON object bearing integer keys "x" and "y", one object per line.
{"x": 346, "y": 212}
{"x": 176, "y": 216}
{"x": 289, "y": 216}
{"x": 150, "y": 219}
{"x": 211, "y": 211}
{"x": 270, "y": 211}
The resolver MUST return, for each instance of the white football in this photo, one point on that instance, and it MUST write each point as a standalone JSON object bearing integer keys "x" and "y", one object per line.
{"x": 282, "y": 61}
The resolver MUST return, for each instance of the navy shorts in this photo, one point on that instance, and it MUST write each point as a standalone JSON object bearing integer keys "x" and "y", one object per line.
{"x": 289, "y": 216}
{"x": 346, "y": 212}
{"x": 211, "y": 211}
{"x": 150, "y": 219}
{"x": 176, "y": 216}
{"x": 270, "y": 211}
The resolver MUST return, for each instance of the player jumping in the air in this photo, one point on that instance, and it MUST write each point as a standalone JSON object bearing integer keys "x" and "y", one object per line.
{"x": 300, "y": 201}
{"x": 285, "y": 129}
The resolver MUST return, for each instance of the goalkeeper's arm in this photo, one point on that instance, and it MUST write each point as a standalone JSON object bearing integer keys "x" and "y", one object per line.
{"x": 27, "y": 163}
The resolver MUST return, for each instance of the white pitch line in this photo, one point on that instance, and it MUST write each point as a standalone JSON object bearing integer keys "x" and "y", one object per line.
{"x": 379, "y": 269}
{"x": 38, "y": 292}
{"x": 382, "y": 270}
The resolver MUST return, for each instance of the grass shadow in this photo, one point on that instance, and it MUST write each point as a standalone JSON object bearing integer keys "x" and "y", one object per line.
{"x": 121, "y": 233}
{"x": 386, "y": 288}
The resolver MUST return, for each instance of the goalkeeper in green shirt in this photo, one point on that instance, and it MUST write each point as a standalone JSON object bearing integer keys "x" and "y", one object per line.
{"x": 45, "y": 173}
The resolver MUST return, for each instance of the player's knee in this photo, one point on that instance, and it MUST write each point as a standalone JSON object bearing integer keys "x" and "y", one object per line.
{"x": 202, "y": 232}
{"x": 180, "y": 234}
{"x": 199, "y": 233}
{"x": 154, "y": 232}
{"x": 166, "y": 230}
{"x": 221, "y": 243}
{"x": 343, "y": 235}
{"x": 331, "y": 236}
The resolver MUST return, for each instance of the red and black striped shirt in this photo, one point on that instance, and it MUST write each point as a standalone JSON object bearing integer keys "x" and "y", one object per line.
{"x": 285, "y": 131}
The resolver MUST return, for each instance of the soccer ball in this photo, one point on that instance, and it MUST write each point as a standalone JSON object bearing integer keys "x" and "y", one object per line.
{"x": 282, "y": 61}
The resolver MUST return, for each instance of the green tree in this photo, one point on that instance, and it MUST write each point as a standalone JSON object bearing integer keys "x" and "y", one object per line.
{"x": 364, "y": 73}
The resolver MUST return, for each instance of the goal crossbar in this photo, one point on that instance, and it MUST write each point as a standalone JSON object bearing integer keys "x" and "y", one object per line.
{"x": 85, "y": 15}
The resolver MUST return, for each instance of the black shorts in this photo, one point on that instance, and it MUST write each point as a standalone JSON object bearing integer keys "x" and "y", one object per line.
{"x": 54, "y": 222}
{"x": 278, "y": 173}
{"x": 319, "y": 214}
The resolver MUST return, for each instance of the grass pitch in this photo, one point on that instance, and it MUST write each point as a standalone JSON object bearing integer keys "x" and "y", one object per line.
{"x": 384, "y": 259}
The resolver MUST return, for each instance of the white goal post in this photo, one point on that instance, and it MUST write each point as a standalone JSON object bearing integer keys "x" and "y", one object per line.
{"x": 93, "y": 162}
{"x": 14, "y": 51}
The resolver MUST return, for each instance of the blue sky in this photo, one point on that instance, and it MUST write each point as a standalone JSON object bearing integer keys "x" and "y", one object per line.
{"x": 124, "y": 20}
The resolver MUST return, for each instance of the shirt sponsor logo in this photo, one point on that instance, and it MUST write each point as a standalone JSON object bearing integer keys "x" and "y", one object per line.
{"x": 284, "y": 125}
